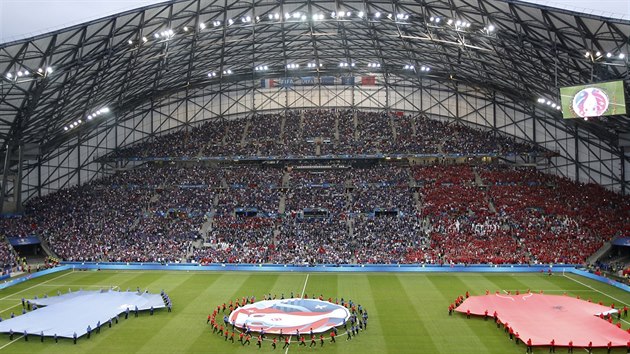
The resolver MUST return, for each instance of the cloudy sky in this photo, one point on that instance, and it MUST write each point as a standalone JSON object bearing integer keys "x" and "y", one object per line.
{"x": 25, "y": 18}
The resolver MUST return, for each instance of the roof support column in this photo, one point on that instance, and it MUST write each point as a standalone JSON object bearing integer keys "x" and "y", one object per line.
{"x": 5, "y": 176}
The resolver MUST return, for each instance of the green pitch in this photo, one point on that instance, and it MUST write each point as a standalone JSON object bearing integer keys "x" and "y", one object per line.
{"x": 408, "y": 312}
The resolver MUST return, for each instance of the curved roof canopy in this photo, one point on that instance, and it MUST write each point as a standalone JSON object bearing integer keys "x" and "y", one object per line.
{"x": 523, "y": 50}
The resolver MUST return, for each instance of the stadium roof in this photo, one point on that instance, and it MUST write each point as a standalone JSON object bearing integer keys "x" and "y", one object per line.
{"x": 525, "y": 51}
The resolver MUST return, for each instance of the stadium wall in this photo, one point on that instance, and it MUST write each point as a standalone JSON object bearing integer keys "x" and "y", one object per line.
{"x": 582, "y": 156}
{"x": 344, "y": 268}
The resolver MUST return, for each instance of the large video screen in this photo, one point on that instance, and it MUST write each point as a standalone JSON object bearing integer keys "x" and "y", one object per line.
{"x": 594, "y": 100}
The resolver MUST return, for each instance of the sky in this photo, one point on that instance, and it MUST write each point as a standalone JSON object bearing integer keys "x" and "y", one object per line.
{"x": 26, "y": 18}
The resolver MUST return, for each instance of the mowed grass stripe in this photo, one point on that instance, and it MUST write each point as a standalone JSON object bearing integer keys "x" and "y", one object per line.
{"x": 404, "y": 330}
{"x": 471, "y": 338}
{"x": 359, "y": 289}
{"x": 224, "y": 288}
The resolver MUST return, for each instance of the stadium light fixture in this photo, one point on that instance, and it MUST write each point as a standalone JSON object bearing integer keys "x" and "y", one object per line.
{"x": 377, "y": 15}
{"x": 348, "y": 14}
{"x": 303, "y": 18}
{"x": 360, "y": 14}
{"x": 449, "y": 22}
{"x": 608, "y": 55}
{"x": 212, "y": 74}
{"x": 65, "y": 128}
{"x": 185, "y": 28}
{"x": 145, "y": 39}
{"x": 293, "y": 66}
{"x": 333, "y": 14}
{"x": 276, "y": 16}
{"x": 130, "y": 42}
{"x": 598, "y": 54}
{"x": 202, "y": 25}
{"x": 287, "y": 16}
{"x": 230, "y": 22}
{"x": 491, "y": 28}
{"x": 621, "y": 55}
{"x": 437, "y": 20}
{"x": 20, "y": 74}
{"x": 342, "y": 14}
{"x": 9, "y": 76}
{"x": 227, "y": 72}
{"x": 156, "y": 35}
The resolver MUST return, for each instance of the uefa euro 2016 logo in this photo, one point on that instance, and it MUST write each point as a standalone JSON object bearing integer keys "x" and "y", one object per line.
{"x": 288, "y": 315}
{"x": 590, "y": 102}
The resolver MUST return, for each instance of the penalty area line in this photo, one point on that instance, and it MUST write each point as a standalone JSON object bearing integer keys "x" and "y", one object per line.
{"x": 304, "y": 288}
{"x": 36, "y": 285}
{"x": 599, "y": 291}
{"x": 11, "y": 342}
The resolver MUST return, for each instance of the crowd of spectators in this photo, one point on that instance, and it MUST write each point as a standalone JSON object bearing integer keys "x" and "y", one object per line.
{"x": 333, "y": 177}
{"x": 462, "y": 214}
{"x": 338, "y": 132}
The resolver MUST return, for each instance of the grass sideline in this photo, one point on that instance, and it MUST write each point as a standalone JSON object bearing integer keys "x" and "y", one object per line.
{"x": 408, "y": 312}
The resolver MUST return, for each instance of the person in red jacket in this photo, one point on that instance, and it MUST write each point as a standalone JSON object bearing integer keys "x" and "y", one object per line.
{"x": 332, "y": 337}
{"x": 608, "y": 347}
{"x": 287, "y": 342}
{"x": 552, "y": 346}
{"x": 590, "y": 347}
{"x": 570, "y": 350}
{"x": 529, "y": 346}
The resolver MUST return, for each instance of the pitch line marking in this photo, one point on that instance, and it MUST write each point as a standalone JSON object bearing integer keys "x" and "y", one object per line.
{"x": 304, "y": 288}
{"x": 8, "y": 308}
{"x": 11, "y": 342}
{"x": 601, "y": 292}
{"x": 34, "y": 286}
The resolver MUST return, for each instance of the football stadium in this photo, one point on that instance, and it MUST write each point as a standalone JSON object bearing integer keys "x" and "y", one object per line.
{"x": 200, "y": 176}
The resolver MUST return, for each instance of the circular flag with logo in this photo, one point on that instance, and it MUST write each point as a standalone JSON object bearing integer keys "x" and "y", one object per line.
{"x": 290, "y": 315}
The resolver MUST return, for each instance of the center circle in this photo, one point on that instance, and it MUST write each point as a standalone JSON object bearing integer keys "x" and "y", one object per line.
{"x": 287, "y": 316}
